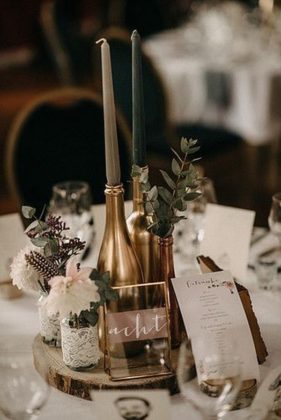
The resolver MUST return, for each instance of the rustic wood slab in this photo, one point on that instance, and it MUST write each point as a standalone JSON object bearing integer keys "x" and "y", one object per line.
{"x": 80, "y": 383}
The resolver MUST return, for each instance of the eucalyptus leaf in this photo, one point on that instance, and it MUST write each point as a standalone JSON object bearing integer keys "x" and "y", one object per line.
{"x": 193, "y": 150}
{"x": 91, "y": 316}
{"x": 168, "y": 179}
{"x": 165, "y": 194}
{"x": 148, "y": 207}
{"x": 176, "y": 154}
{"x": 40, "y": 242}
{"x": 31, "y": 226}
{"x": 152, "y": 194}
{"x": 47, "y": 250}
{"x": 144, "y": 176}
{"x": 53, "y": 243}
{"x": 184, "y": 145}
{"x": 136, "y": 171}
{"x": 28, "y": 212}
{"x": 190, "y": 196}
{"x": 176, "y": 167}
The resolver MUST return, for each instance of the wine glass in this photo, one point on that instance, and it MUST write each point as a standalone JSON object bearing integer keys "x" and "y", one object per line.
{"x": 274, "y": 222}
{"x": 197, "y": 208}
{"x": 72, "y": 201}
{"x": 274, "y": 218}
{"x": 23, "y": 392}
{"x": 213, "y": 393}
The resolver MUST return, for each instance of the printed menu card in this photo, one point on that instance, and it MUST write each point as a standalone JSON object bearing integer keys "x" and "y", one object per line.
{"x": 227, "y": 235}
{"x": 215, "y": 320}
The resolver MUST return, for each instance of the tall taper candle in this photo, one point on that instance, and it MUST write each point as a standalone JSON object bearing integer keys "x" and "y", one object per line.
{"x": 139, "y": 143}
{"x": 110, "y": 129}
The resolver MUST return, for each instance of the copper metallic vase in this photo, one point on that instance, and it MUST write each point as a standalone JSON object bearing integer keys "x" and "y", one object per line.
{"x": 166, "y": 273}
{"x": 117, "y": 256}
{"x": 144, "y": 242}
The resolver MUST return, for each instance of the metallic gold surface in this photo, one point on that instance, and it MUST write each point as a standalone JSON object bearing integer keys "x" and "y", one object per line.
{"x": 166, "y": 273}
{"x": 117, "y": 256}
{"x": 144, "y": 242}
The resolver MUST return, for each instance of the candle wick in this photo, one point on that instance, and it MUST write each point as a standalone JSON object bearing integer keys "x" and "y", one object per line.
{"x": 101, "y": 40}
{"x": 134, "y": 33}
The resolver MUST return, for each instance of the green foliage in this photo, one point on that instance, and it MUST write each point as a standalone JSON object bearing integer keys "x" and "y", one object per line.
{"x": 102, "y": 281}
{"x": 28, "y": 212}
{"x": 164, "y": 203}
{"x": 49, "y": 235}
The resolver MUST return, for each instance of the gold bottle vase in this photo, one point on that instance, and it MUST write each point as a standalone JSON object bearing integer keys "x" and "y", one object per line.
{"x": 144, "y": 242}
{"x": 166, "y": 273}
{"x": 117, "y": 256}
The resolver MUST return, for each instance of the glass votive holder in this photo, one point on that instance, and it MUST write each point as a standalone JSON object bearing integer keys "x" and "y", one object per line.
{"x": 266, "y": 271}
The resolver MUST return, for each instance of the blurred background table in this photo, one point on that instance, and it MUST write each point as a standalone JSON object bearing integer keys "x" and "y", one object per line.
{"x": 242, "y": 94}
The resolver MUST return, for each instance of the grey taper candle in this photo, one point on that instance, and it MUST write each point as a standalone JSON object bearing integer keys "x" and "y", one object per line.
{"x": 110, "y": 130}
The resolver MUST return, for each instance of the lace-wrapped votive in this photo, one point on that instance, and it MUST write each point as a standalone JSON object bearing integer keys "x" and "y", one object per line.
{"x": 80, "y": 345}
{"x": 49, "y": 325}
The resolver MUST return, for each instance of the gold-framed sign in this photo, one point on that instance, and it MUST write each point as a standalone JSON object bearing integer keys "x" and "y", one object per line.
{"x": 137, "y": 339}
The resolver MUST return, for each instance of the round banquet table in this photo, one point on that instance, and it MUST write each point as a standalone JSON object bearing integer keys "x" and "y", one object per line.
{"x": 19, "y": 325}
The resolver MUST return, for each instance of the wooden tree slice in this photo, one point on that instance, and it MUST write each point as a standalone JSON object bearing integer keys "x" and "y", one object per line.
{"x": 80, "y": 383}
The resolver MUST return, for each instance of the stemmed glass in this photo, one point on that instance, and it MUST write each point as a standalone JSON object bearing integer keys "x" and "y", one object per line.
{"x": 274, "y": 222}
{"x": 274, "y": 218}
{"x": 72, "y": 201}
{"x": 197, "y": 208}
{"x": 213, "y": 394}
{"x": 23, "y": 392}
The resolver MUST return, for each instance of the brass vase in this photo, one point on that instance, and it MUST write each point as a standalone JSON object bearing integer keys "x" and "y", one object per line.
{"x": 166, "y": 273}
{"x": 144, "y": 242}
{"x": 117, "y": 256}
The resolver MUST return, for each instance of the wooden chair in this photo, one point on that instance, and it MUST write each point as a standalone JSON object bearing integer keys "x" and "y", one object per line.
{"x": 58, "y": 137}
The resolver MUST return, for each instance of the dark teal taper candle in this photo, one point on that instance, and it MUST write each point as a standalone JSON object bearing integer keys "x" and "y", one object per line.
{"x": 139, "y": 143}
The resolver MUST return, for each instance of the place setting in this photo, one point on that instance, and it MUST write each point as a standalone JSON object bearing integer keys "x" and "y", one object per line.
{"x": 166, "y": 306}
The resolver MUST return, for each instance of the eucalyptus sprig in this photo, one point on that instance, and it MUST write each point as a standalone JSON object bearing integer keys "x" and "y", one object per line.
{"x": 102, "y": 281}
{"x": 163, "y": 204}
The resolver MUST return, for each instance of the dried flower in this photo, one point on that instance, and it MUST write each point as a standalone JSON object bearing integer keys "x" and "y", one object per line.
{"x": 23, "y": 274}
{"x": 71, "y": 293}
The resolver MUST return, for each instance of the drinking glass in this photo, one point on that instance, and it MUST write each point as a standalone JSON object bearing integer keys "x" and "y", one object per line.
{"x": 72, "y": 201}
{"x": 213, "y": 393}
{"x": 274, "y": 218}
{"x": 23, "y": 392}
{"x": 197, "y": 208}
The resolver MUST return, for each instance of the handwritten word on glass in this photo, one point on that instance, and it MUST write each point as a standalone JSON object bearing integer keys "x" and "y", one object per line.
{"x": 144, "y": 324}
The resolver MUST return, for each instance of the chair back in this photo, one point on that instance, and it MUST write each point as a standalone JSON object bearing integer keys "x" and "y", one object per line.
{"x": 59, "y": 137}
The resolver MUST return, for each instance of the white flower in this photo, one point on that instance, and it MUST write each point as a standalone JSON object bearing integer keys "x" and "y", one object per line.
{"x": 71, "y": 293}
{"x": 24, "y": 276}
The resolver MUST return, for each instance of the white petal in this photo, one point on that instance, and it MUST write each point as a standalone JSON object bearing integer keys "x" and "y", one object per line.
{"x": 71, "y": 267}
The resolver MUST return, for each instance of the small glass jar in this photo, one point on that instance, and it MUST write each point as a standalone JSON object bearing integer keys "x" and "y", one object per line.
{"x": 266, "y": 270}
{"x": 80, "y": 344}
{"x": 49, "y": 325}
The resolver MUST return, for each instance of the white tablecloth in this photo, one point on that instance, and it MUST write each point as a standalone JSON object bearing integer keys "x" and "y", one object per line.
{"x": 19, "y": 324}
{"x": 251, "y": 87}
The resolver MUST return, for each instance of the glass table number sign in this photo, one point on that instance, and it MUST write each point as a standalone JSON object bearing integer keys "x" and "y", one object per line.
{"x": 137, "y": 339}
